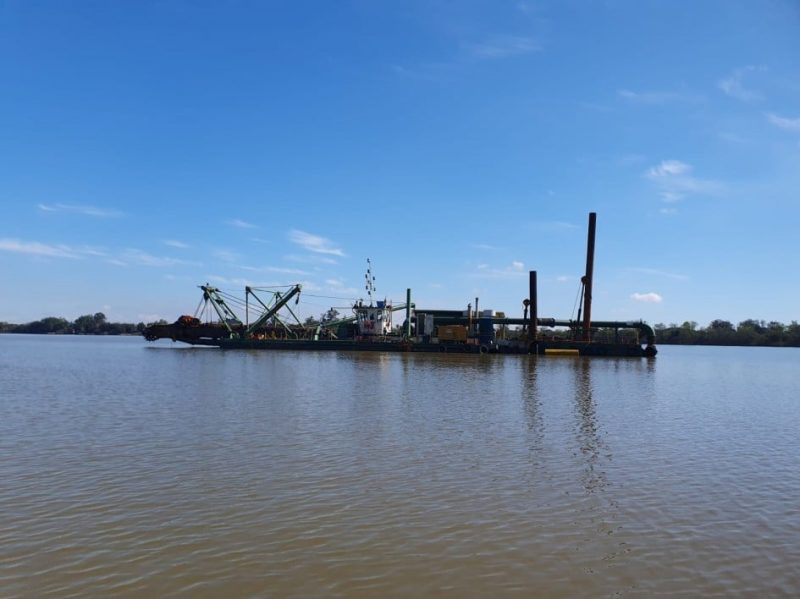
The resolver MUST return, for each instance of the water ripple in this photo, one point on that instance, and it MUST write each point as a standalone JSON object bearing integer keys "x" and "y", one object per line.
{"x": 132, "y": 470}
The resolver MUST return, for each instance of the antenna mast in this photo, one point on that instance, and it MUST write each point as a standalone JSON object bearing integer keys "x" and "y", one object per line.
{"x": 370, "y": 280}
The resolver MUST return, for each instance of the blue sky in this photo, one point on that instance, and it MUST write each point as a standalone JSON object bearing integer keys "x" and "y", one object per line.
{"x": 148, "y": 147}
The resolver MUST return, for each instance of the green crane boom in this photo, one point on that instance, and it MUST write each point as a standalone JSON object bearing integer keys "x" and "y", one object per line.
{"x": 226, "y": 315}
{"x": 281, "y": 301}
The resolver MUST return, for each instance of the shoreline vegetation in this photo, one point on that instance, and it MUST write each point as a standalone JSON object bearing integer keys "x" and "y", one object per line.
{"x": 719, "y": 332}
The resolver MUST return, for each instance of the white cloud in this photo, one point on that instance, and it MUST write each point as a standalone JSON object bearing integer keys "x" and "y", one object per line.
{"x": 142, "y": 258}
{"x": 240, "y": 224}
{"x": 176, "y": 244}
{"x": 84, "y": 210}
{"x": 658, "y": 97}
{"x": 310, "y": 259}
{"x": 485, "y": 271}
{"x": 36, "y": 248}
{"x": 314, "y": 243}
{"x": 648, "y": 298}
{"x": 659, "y": 273}
{"x": 733, "y": 85}
{"x": 338, "y": 286}
{"x": 563, "y": 278}
{"x": 669, "y": 167}
{"x": 553, "y": 226}
{"x": 504, "y": 46}
{"x": 787, "y": 124}
{"x": 225, "y": 255}
{"x": 275, "y": 269}
{"x": 675, "y": 181}
{"x": 238, "y": 282}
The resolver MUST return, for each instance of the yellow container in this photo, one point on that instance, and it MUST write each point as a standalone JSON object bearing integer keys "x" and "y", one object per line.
{"x": 452, "y": 332}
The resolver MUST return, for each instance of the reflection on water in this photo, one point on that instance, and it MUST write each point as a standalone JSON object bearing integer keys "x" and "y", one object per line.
{"x": 134, "y": 470}
{"x": 589, "y": 438}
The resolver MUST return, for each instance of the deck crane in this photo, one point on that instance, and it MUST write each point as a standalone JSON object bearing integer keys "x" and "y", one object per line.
{"x": 280, "y": 299}
{"x": 226, "y": 316}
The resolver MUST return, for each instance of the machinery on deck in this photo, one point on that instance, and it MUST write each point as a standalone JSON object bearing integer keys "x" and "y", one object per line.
{"x": 370, "y": 327}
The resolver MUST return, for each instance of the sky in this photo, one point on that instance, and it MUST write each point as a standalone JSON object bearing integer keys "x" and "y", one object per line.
{"x": 150, "y": 147}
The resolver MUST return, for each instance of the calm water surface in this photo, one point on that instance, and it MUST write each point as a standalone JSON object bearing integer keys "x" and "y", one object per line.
{"x": 131, "y": 470}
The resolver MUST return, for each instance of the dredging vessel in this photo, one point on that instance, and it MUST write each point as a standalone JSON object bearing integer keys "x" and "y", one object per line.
{"x": 370, "y": 327}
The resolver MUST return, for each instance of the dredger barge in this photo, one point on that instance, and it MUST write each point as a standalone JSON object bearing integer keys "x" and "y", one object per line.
{"x": 370, "y": 327}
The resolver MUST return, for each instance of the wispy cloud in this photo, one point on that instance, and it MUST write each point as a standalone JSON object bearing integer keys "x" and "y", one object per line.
{"x": 310, "y": 259}
{"x": 234, "y": 282}
{"x": 176, "y": 244}
{"x": 659, "y": 273}
{"x": 36, "y": 248}
{"x": 225, "y": 255}
{"x": 240, "y": 224}
{"x": 92, "y": 211}
{"x": 787, "y": 124}
{"x": 675, "y": 181}
{"x": 276, "y": 269}
{"x": 315, "y": 243}
{"x": 734, "y": 87}
{"x": 136, "y": 256}
{"x": 669, "y": 168}
{"x": 485, "y": 246}
{"x": 659, "y": 97}
{"x": 553, "y": 226}
{"x": 514, "y": 270}
{"x": 339, "y": 286}
{"x": 503, "y": 46}
{"x": 648, "y": 298}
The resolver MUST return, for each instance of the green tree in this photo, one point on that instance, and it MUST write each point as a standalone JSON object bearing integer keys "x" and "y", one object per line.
{"x": 84, "y": 325}
{"x": 51, "y": 324}
{"x": 329, "y": 316}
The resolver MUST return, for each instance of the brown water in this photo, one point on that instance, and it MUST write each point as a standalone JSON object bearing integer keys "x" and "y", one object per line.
{"x": 135, "y": 470}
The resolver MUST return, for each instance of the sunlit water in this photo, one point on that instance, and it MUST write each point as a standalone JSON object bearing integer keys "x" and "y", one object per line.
{"x": 129, "y": 469}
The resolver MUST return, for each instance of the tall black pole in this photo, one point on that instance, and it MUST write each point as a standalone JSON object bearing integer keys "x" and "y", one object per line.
{"x": 587, "y": 279}
{"x": 534, "y": 309}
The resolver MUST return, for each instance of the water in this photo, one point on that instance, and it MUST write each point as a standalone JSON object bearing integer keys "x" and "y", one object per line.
{"x": 131, "y": 470}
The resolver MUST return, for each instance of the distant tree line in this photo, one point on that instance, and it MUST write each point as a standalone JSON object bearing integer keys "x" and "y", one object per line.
{"x": 89, "y": 324}
{"x": 718, "y": 332}
{"x": 722, "y": 332}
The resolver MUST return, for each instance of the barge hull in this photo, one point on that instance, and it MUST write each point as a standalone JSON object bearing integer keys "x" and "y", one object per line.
{"x": 577, "y": 348}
